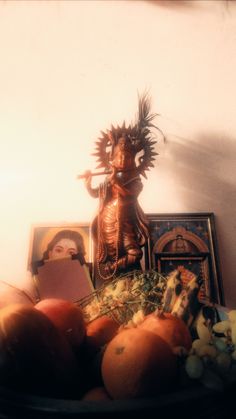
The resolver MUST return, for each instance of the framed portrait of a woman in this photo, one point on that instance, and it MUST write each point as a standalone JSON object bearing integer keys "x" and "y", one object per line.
{"x": 59, "y": 240}
{"x": 60, "y": 261}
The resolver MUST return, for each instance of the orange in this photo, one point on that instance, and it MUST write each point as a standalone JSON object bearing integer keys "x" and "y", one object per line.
{"x": 99, "y": 332}
{"x": 138, "y": 363}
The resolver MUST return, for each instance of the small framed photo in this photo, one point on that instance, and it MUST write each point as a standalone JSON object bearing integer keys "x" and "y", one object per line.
{"x": 45, "y": 238}
{"x": 60, "y": 261}
{"x": 186, "y": 242}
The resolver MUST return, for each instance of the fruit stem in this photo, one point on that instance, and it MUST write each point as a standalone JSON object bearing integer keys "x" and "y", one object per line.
{"x": 159, "y": 312}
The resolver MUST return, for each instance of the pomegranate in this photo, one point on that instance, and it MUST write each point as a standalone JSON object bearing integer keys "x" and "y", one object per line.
{"x": 170, "y": 328}
{"x": 67, "y": 317}
{"x": 35, "y": 355}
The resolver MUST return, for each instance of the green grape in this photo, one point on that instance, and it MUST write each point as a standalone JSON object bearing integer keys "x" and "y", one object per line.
{"x": 194, "y": 366}
{"x": 207, "y": 350}
{"x": 232, "y": 316}
{"x": 220, "y": 344}
{"x": 196, "y": 345}
{"x": 222, "y": 327}
{"x": 203, "y": 332}
{"x": 233, "y": 333}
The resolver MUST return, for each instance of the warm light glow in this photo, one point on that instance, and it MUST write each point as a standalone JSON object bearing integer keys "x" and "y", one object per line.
{"x": 70, "y": 69}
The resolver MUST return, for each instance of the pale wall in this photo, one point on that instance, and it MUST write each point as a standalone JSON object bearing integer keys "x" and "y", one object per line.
{"x": 70, "y": 69}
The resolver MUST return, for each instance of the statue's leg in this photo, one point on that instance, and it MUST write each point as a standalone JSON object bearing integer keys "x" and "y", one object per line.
{"x": 125, "y": 244}
{"x": 130, "y": 240}
{"x": 131, "y": 252}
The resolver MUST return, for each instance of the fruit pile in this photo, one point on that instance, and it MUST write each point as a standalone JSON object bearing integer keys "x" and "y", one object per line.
{"x": 165, "y": 344}
{"x": 48, "y": 349}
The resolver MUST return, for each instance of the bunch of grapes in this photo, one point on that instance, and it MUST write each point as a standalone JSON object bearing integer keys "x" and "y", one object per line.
{"x": 212, "y": 358}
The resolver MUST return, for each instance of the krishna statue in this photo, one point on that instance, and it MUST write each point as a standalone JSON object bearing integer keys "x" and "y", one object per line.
{"x": 120, "y": 228}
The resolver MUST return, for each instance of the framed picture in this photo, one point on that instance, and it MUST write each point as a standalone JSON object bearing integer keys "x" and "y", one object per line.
{"x": 60, "y": 261}
{"x": 186, "y": 242}
{"x": 42, "y": 237}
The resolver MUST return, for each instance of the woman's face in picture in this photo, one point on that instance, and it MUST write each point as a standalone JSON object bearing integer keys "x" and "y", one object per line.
{"x": 63, "y": 248}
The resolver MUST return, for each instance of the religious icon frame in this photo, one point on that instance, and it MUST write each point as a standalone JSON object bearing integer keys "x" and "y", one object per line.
{"x": 199, "y": 252}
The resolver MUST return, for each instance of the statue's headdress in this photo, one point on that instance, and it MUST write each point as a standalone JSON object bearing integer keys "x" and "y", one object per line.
{"x": 139, "y": 136}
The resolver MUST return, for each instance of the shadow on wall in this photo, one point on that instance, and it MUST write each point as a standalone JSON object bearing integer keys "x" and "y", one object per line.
{"x": 188, "y": 4}
{"x": 204, "y": 167}
{"x": 172, "y": 3}
{"x": 204, "y": 170}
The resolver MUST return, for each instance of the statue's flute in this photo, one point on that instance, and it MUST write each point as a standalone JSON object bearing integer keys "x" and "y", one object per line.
{"x": 105, "y": 172}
